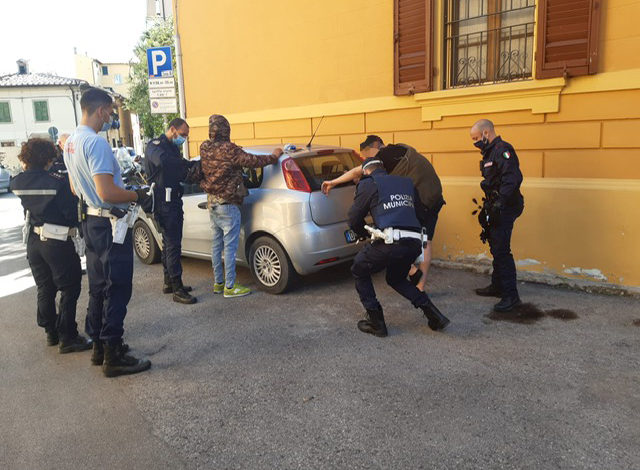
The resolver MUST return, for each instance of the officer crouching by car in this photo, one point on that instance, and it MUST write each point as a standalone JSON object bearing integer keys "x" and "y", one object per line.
{"x": 166, "y": 168}
{"x": 51, "y": 221}
{"x": 394, "y": 205}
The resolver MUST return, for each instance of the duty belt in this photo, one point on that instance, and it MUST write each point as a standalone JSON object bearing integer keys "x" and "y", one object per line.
{"x": 398, "y": 234}
{"x": 73, "y": 231}
{"x": 100, "y": 212}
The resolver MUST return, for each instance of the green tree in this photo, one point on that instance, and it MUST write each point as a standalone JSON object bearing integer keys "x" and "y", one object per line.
{"x": 160, "y": 34}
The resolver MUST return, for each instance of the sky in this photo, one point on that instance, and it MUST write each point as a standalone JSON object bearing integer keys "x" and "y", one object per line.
{"x": 46, "y": 31}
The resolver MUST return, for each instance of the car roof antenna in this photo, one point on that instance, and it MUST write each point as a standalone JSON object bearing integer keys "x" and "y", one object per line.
{"x": 314, "y": 133}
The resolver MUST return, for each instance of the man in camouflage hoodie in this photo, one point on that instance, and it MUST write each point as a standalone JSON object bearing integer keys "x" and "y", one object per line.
{"x": 222, "y": 162}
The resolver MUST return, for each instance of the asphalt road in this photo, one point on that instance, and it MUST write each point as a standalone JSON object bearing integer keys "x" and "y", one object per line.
{"x": 289, "y": 382}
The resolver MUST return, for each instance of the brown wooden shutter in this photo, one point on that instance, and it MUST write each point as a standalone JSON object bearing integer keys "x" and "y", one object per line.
{"x": 412, "y": 36}
{"x": 567, "y": 38}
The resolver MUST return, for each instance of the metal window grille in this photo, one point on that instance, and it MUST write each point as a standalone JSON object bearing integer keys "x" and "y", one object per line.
{"x": 488, "y": 41}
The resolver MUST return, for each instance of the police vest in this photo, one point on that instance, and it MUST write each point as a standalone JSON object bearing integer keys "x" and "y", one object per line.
{"x": 395, "y": 206}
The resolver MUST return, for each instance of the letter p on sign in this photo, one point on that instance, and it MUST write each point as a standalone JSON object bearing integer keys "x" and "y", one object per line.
{"x": 159, "y": 62}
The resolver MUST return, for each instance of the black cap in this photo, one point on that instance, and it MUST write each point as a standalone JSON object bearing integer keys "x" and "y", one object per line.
{"x": 370, "y": 140}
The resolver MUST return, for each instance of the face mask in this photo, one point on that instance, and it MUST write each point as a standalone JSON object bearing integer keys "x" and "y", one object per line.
{"x": 481, "y": 144}
{"x": 178, "y": 140}
{"x": 107, "y": 125}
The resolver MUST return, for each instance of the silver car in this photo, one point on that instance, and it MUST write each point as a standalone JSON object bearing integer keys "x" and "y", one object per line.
{"x": 289, "y": 227}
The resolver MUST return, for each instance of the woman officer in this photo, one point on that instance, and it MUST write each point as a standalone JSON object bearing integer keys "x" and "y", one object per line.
{"x": 52, "y": 219}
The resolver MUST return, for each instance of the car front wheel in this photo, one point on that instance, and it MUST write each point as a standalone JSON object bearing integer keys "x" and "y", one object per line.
{"x": 270, "y": 266}
{"x": 144, "y": 244}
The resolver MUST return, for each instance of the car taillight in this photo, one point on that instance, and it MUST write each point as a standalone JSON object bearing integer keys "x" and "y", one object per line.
{"x": 294, "y": 177}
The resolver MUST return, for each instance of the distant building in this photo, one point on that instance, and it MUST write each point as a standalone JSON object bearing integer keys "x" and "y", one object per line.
{"x": 159, "y": 9}
{"x": 116, "y": 78}
{"x": 33, "y": 103}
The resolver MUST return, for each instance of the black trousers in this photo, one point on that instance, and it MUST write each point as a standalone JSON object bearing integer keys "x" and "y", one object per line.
{"x": 504, "y": 268}
{"x": 110, "y": 273}
{"x": 55, "y": 266}
{"x": 396, "y": 259}
{"x": 170, "y": 218}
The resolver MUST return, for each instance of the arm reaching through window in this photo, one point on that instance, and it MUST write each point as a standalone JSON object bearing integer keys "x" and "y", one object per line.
{"x": 351, "y": 175}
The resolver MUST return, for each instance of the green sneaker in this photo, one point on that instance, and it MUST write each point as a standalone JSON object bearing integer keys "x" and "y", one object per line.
{"x": 218, "y": 288}
{"x": 236, "y": 291}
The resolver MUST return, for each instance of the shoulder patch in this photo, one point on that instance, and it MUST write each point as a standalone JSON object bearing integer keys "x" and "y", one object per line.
{"x": 506, "y": 155}
{"x": 57, "y": 175}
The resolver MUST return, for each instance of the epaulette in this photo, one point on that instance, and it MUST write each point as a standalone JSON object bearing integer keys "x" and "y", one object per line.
{"x": 57, "y": 175}
{"x": 155, "y": 141}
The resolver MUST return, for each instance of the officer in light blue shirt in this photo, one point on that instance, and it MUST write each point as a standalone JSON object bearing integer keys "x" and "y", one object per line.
{"x": 95, "y": 176}
{"x": 87, "y": 155}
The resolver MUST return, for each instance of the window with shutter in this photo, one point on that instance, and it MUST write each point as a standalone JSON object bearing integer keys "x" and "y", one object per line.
{"x": 41, "y": 111}
{"x": 413, "y": 26}
{"x": 567, "y": 38}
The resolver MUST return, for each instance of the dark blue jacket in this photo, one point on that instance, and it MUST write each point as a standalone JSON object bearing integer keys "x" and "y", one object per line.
{"x": 501, "y": 172}
{"x": 392, "y": 201}
{"x": 47, "y": 196}
{"x": 165, "y": 166}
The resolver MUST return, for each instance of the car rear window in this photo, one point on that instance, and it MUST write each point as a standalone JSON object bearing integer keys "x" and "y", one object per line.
{"x": 319, "y": 168}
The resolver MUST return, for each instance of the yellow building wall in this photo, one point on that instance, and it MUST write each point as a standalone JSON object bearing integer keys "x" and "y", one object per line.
{"x": 578, "y": 142}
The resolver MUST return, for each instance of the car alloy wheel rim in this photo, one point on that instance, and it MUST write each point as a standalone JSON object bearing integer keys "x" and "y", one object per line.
{"x": 142, "y": 242}
{"x": 266, "y": 265}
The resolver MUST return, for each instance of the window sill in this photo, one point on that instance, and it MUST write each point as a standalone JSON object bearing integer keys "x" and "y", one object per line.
{"x": 539, "y": 96}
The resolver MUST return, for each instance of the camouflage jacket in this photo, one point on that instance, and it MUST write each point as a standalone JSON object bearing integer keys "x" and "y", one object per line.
{"x": 222, "y": 164}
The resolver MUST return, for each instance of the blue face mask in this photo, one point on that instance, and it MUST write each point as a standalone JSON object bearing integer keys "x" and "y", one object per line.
{"x": 179, "y": 140}
{"x": 107, "y": 125}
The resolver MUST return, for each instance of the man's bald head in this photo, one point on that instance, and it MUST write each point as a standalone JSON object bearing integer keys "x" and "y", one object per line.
{"x": 483, "y": 130}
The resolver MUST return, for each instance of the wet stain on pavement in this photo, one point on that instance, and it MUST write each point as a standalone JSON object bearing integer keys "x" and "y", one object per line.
{"x": 529, "y": 313}
{"x": 636, "y": 322}
{"x": 561, "y": 314}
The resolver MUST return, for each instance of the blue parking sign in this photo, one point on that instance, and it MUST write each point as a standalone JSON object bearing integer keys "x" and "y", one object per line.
{"x": 159, "y": 62}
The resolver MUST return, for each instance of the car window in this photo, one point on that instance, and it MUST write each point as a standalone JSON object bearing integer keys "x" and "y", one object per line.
{"x": 252, "y": 177}
{"x": 191, "y": 188}
{"x": 319, "y": 168}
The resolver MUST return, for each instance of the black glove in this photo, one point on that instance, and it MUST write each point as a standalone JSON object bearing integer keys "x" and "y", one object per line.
{"x": 494, "y": 213}
{"x": 144, "y": 200}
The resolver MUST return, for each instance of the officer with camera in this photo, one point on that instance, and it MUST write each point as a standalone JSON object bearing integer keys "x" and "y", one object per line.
{"x": 395, "y": 207}
{"x": 166, "y": 168}
{"x": 503, "y": 205}
{"x": 95, "y": 175}
{"x": 51, "y": 218}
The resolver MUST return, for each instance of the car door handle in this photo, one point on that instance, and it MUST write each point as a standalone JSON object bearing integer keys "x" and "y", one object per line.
{"x": 202, "y": 205}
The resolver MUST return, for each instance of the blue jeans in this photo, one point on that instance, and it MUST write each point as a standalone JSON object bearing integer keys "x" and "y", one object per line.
{"x": 225, "y": 223}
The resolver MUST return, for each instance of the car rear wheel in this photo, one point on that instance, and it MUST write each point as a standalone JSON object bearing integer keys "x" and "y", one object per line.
{"x": 270, "y": 266}
{"x": 144, "y": 244}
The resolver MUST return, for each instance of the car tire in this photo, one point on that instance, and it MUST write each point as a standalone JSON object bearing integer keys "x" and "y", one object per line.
{"x": 270, "y": 266}
{"x": 144, "y": 244}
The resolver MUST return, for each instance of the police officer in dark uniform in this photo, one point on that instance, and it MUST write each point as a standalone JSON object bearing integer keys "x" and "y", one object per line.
{"x": 166, "y": 168}
{"x": 395, "y": 206}
{"x": 58, "y": 162}
{"x": 503, "y": 205}
{"x": 51, "y": 221}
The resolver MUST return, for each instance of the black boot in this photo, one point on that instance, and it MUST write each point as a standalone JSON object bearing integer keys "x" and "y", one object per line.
{"x": 374, "y": 324}
{"x": 437, "y": 321}
{"x": 180, "y": 294}
{"x": 52, "y": 338}
{"x": 489, "y": 291}
{"x": 167, "y": 288}
{"x": 77, "y": 344}
{"x": 97, "y": 355}
{"x": 507, "y": 303}
{"x": 116, "y": 362}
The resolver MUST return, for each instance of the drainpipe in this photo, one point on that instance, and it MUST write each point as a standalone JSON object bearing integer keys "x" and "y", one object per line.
{"x": 73, "y": 103}
{"x": 176, "y": 40}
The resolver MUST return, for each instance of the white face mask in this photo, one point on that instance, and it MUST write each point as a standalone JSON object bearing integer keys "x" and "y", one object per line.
{"x": 107, "y": 125}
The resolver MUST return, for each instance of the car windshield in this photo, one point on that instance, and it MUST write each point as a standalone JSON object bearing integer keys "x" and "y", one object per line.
{"x": 319, "y": 168}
